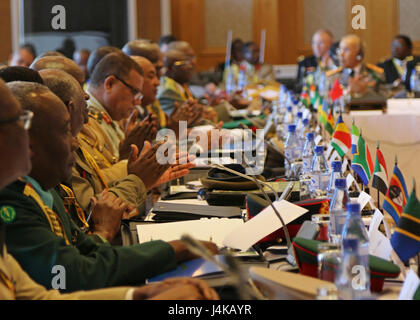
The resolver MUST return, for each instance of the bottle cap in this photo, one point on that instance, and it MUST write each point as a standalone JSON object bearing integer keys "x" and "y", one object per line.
{"x": 353, "y": 207}
{"x": 292, "y": 127}
{"x": 310, "y": 136}
{"x": 336, "y": 166}
{"x": 340, "y": 183}
{"x": 319, "y": 149}
{"x": 350, "y": 244}
{"x": 305, "y": 122}
{"x": 300, "y": 114}
{"x": 289, "y": 109}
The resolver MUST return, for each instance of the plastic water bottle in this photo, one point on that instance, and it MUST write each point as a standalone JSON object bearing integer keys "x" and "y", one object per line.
{"x": 305, "y": 128}
{"x": 352, "y": 278}
{"x": 355, "y": 228}
{"x": 230, "y": 82}
{"x": 320, "y": 174}
{"x": 287, "y": 120}
{"x": 308, "y": 153}
{"x": 242, "y": 78}
{"x": 299, "y": 129}
{"x": 338, "y": 210}
{"x": 292, "y": 149}
{"x": 335, "y": 174}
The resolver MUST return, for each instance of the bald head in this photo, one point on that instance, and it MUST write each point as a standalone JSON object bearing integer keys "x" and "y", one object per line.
{"x": 351, "y": 51}
{"x": 147, "y": 49}
{"x": 151, "y": 80}
{"x": 69, "y": 91}
{"x": 321, "y": 42}
{"x": 142, "y": 48}
{"x": 50, "y": 135}
{"x": 60, "y": 63}
{"x": 97, "y": 55}
{"x": 179, "y": 66}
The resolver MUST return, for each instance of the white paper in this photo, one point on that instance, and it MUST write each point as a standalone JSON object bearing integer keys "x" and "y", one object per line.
{"x": 350, "y": 180}
{"x": 344, "y": 166}
{"x": 363, "y": 199}
{"x": 263, "y": 224}
{"x": 328, "y": 152}
{"x": 410, "y": 286}
{"x": 213, "y": 229}
{"x": 376, "y": 221}
{"x": 318, "y": 139}
{"x": 379, "y": 245}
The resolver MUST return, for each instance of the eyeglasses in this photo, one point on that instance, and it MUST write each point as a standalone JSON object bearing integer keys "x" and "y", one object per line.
{"x": 136, "y": 92}
{"x": 25, "y": 118}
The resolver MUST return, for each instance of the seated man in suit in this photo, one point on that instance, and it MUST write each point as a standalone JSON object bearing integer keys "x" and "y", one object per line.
{"x": 322, "y": 41}
{"x": 40, "y": 233}
{"x": 399, "y": 68}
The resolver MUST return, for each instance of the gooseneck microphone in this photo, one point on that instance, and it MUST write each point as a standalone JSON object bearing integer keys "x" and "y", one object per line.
{"x": 285, "y": 195}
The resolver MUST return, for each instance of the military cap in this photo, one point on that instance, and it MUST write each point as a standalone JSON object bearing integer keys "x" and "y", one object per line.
{"x": 306, "y": 252}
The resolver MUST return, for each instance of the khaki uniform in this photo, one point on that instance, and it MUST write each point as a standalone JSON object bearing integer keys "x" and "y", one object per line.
{"x": 89, "y": 180}
{"x": 169, "y": 92}
{"x": 96, "y": 162}
{"x": 373, "y": 74}
{"x": 15, "y": 284}
{"x": 107, "y": 130}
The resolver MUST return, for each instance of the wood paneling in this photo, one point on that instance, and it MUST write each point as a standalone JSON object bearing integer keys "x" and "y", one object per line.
{"x": 148, "y": 19}
{"x": 5, "y": 30}
{"x": 382, "y": 24}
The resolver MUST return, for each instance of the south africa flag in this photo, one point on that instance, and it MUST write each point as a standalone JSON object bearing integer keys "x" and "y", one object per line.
{"x": 362, "y": 162}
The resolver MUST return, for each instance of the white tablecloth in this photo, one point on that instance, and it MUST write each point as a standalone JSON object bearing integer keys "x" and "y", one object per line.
{"x": 398, "y": 135}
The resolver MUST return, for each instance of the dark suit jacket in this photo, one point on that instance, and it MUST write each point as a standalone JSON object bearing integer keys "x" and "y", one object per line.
{"x": 391, "y": 72}
{"x": 308, "y": 62}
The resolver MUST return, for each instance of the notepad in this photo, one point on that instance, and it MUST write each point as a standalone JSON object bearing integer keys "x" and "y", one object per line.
{"x": 214, "y": 229}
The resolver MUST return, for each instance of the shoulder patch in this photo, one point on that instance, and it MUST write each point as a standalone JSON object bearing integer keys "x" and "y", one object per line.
{"x": 300, "y": 58}
{"x": 333, "y": 72}
{"x": 375, "y": 68}
{"x": 7, "y": 214}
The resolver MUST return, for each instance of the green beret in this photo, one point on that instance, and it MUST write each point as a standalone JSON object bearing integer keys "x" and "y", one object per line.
{"x": 306, "y": 252}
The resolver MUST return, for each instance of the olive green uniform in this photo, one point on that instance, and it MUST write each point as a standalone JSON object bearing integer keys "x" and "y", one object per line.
{"x": 40, "y": 237}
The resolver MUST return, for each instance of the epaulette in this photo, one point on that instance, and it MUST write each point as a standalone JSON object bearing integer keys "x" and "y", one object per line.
{"x": 375, "y": 68}
{"x": 330, "y": 73}
{"x": 95, "y": 115}
{"x": 99, "y": 116}
{"x": 300, "y": 58}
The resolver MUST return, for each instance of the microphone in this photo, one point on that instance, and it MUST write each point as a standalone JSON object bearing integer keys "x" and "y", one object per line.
{"x": 268, "y": 142}
{"x": 259, "y": 184}
{"x": 231, "y": 267}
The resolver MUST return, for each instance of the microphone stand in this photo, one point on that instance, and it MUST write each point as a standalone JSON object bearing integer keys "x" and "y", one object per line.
{"x": 259, "y": 184}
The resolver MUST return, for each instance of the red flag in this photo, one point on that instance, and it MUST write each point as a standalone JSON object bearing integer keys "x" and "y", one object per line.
{"x": 336, "y": 91}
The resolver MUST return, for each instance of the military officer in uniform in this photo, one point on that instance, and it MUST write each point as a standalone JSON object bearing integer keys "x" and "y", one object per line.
{"x": 15, "y": 283}
{"x": 358, "y": 78}
{"x": 40, "y": 233}
{"x": 399, "y": 68}
{"x": 321, "y": 60}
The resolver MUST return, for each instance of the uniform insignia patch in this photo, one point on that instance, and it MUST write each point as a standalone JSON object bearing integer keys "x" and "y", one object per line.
{"x": 7, "y": 214}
